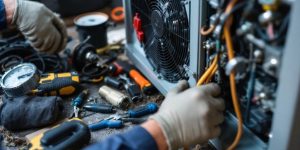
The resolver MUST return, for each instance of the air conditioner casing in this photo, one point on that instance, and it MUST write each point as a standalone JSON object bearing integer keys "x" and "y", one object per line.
{"x": 196, "y": 12}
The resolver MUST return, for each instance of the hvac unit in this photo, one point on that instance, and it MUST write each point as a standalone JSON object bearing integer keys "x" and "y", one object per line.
{"x": 165, "y": 44}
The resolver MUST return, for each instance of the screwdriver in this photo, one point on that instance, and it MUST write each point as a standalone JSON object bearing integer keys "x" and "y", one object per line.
{"x": 99, "y": 108}
{"x": 147, "y": 109}
{"x": 106, "y": 123}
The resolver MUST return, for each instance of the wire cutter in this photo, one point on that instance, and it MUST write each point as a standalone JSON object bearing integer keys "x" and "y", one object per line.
{"x": 118, "y": 120}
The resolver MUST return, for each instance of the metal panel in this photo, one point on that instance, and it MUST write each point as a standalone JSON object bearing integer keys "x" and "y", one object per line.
{"x": 286, "y": 122}
{"x": 285, "y": 132}
{"x": 136, "y": 53}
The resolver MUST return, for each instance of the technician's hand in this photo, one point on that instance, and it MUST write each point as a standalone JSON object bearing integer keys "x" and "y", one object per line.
{"x": 43, "y": 28}
{"x": 190, "y": 116}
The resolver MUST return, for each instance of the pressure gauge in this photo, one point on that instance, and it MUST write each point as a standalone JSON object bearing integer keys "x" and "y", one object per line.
{"x": 20, "y": 80}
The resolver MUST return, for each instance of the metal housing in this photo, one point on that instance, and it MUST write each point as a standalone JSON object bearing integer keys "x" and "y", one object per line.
{"x": 285, "y": 132}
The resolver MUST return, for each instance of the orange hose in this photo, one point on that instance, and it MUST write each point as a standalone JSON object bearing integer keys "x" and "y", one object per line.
{"x": 207, "y": 72}
{"x": 208, "y": 31}
{"x": 233, "y": 89}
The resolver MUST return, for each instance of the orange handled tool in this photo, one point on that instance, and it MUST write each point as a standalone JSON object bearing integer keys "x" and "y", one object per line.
{"x": 144, "y": 84}
{"x": 122, "y": 66}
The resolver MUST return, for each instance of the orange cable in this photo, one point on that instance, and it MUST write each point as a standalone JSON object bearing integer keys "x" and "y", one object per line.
{"x": 207, "y": 72}
{"x": 233, "y": 89}
{"x": 211, "y": 74}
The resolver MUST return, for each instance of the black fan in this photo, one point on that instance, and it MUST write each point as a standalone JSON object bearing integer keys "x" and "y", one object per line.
{"x": 166, "y": 29}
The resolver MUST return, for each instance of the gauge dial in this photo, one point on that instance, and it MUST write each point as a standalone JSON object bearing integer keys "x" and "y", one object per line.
{"x": 21, "y": 78}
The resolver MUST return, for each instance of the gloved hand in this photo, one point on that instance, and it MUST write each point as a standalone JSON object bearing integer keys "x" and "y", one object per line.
{"x": 190, "y": 116}
{"x": 43, "y": 28}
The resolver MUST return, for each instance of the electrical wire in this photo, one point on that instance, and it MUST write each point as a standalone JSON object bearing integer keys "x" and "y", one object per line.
{"x": 234, "y": 96}
{"x": 12, "y": 54}
{"x": 207, "y": 72}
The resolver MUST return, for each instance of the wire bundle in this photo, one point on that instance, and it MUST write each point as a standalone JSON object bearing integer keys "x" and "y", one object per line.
{"x": 12, "y": 54}
{"x": 206, "y": 77}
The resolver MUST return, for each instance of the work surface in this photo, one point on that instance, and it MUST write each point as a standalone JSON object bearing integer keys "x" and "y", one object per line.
{"x": 114, "y": 34}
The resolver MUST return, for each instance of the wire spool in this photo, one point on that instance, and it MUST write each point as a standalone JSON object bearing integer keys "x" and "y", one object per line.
{"x": 94, "y": 25}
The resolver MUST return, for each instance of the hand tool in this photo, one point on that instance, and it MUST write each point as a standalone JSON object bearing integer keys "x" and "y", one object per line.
{"x": 106, "y": 123}
{"x": 122, "y": 66}
{"x": 117, "y": 121}
{"x": 73, "y": 134}
{"x": 147, "y": 109}
{"x": 99, "y": 108}
{"x": 53, "y": 84}
{"x": 132, "y": 89}
{"x": 113, "y": 82}
{"x": 78, "y": 102}
{"x": 20, "y": 80}
{"x": 114, "y": 97}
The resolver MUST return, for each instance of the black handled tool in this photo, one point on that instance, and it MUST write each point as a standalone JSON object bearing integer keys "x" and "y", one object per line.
{"x": 72, "y": 134}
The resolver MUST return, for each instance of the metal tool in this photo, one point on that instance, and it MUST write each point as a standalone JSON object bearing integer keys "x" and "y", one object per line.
{"x": 62, "y": 84}
{"x": 114, "y": 97}
{"x": 20, "y": 80}
{"x": 73, "y": 134}
{"x": 132, "y": 89}
{"x": 113, "y": 82}
{"x": 99, "y": 108}
{"x": 78, "y": 102}
{"x": 117, "y": 121}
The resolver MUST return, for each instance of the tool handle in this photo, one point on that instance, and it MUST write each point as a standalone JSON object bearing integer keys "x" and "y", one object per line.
{"x": 106, "y": 124}
{"x": 58, "y": 84}
{"x": 99, "y": 108}
{"x": 144, "y": 84}
{"x": 143, "y": 110}
{"x": 78, "y": 101}
{"x": 59, "y": 137}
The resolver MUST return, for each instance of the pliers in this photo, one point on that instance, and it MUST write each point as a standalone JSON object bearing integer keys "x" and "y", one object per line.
{"x": 118, "y": 120}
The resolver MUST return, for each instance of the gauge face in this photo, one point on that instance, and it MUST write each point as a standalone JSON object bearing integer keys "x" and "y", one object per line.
{"x": 18, "y": 75}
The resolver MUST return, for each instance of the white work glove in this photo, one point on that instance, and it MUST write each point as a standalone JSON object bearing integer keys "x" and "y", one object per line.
{"x": 43, "y": 28}
{"x": 190, "y": 116}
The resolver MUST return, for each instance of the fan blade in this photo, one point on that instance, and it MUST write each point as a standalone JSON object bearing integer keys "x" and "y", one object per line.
{"x": 152, "y": 52}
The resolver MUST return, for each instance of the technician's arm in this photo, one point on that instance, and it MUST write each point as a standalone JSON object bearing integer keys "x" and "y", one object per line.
{"x": 186, "y": 117}
{"x": 43, "y": 28}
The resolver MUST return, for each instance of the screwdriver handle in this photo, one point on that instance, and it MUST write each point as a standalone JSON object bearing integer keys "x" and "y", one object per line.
{"x": 149, "y": 108}
{"x": 106, "y": 124}
{"x": 99, "y": 108}
{"x": 78, "y": 101}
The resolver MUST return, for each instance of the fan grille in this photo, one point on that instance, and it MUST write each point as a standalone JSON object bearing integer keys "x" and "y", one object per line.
{"x": 166, "y": 29}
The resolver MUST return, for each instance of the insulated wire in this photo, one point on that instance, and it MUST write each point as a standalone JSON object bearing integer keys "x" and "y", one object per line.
{"x": 215, "y": 68}
{"x": 234, "y": 96}
{"x": 207, "y": 72}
